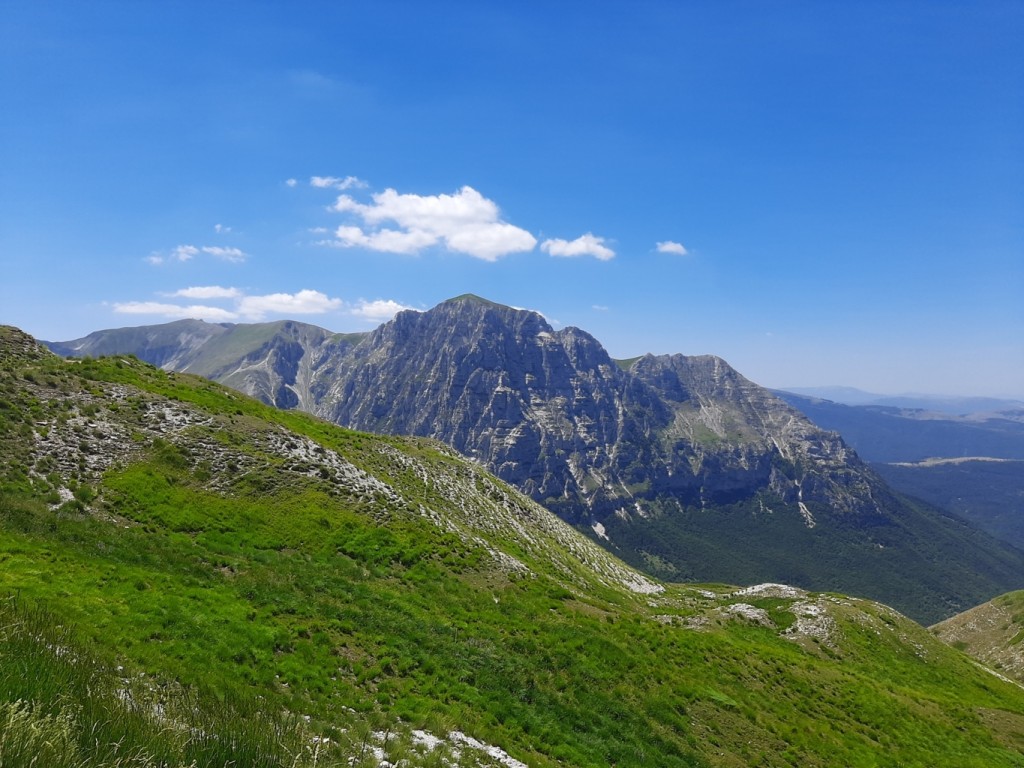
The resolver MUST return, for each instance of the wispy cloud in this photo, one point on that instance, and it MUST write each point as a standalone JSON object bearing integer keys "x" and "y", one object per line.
{"x": 220, "y": 229}
{"x": 206, "y": 292}
{"x": 184, "y": 252}
{"x": 337, "y": 182}
{"x": 584, "y": 245}
{"x": 174, "y": 311}
{"x": 227, "y": 254}
{"x": 599, "y": 307}
{"x": 291, "y": 182}
{"x": 670, "y": 246}
{"x": 464, "y": 222}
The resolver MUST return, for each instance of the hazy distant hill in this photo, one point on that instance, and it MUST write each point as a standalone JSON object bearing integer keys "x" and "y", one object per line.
{"x": 251, "y": 586}
{"x": 971, "y": 464}
{"x": 679, "y": 464}
{"x": 947, "y": 404}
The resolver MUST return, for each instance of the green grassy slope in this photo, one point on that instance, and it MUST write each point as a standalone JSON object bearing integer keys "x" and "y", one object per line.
{"x": 236, "y": 559}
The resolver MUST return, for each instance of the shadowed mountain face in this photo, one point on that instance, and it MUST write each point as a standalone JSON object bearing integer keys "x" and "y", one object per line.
{"x": 679, "y": 464}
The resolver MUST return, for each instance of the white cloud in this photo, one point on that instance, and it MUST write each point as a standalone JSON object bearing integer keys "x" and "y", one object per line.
{"x": 220, "y": 229}
{"x": 319, "y": 230}
{"x": 584, "y": 245}
{"x": 672, "y": 247}
{"x": 377, "y": 311}
{"x": 175, "y": 311}
{"x": 386, "y": 240}
{"x": 184, "y": 252}
{"x": 291, "y": 182}
{"x": 228, "y": 254}
{"x": 305, "y": 302}
{"x": 465, "y": 222}
{"x": 207, "y": 292}
{"x": 188, "y": 252}
{"x": 335, "y": 182}
{"x": 599, "y": 307}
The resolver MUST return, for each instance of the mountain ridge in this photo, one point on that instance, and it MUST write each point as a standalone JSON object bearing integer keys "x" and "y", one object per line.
{"x": 644, "y": 458}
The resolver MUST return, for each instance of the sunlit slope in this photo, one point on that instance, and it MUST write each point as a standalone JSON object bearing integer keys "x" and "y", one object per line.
{"x": 212, "y": 542}
{"x": 992, "y": 632}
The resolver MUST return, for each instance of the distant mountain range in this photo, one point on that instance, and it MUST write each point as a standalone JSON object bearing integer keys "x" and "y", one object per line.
{"x": 678, "y": 464}
{"x": 934, "y": 403}
{"x": 971, "y": 463}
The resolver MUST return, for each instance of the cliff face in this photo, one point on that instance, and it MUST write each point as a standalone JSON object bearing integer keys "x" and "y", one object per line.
{"x": 548, "y": 411}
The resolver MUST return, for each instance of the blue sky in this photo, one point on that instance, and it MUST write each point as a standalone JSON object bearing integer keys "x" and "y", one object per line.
{"x": 819, "y": 192}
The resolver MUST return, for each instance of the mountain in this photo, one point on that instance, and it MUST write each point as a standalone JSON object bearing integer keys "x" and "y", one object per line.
{"x": 993, "y": 633}
{"x": 890, "y": 434}
{"x": 970, "y": 464}
{"x": 196, "y": 578}
{"x": 946, "y": 404}
{"x": 678, "y": 464}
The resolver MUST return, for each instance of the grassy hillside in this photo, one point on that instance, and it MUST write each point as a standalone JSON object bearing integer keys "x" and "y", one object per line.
{"x": 193, "y": 576}
{"x": 993, "y": 633}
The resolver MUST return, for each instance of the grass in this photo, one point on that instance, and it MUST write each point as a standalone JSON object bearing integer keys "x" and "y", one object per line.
{"x": 273, "y": 593}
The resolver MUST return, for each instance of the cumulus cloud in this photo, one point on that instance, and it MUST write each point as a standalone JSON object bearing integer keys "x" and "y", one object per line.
{"x": 335, "y": 182}
{"x": 305, "y": 302}
{"x": 464, "y": 222}
{"x": 228, "y": 254}
{"x": 669, "y": 246}
{"x": 386, "y": 240}
{"x": 584, "y": 245}
{"x": 379, "y": 310}
{"x": 291, "y": 182}
{"x": 207, "y": 292}
{"x": 174, "y": 311}
{"x": 184, "y": 252}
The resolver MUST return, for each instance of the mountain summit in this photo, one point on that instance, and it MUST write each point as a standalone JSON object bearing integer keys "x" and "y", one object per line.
{"x": 679, "y": 464}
